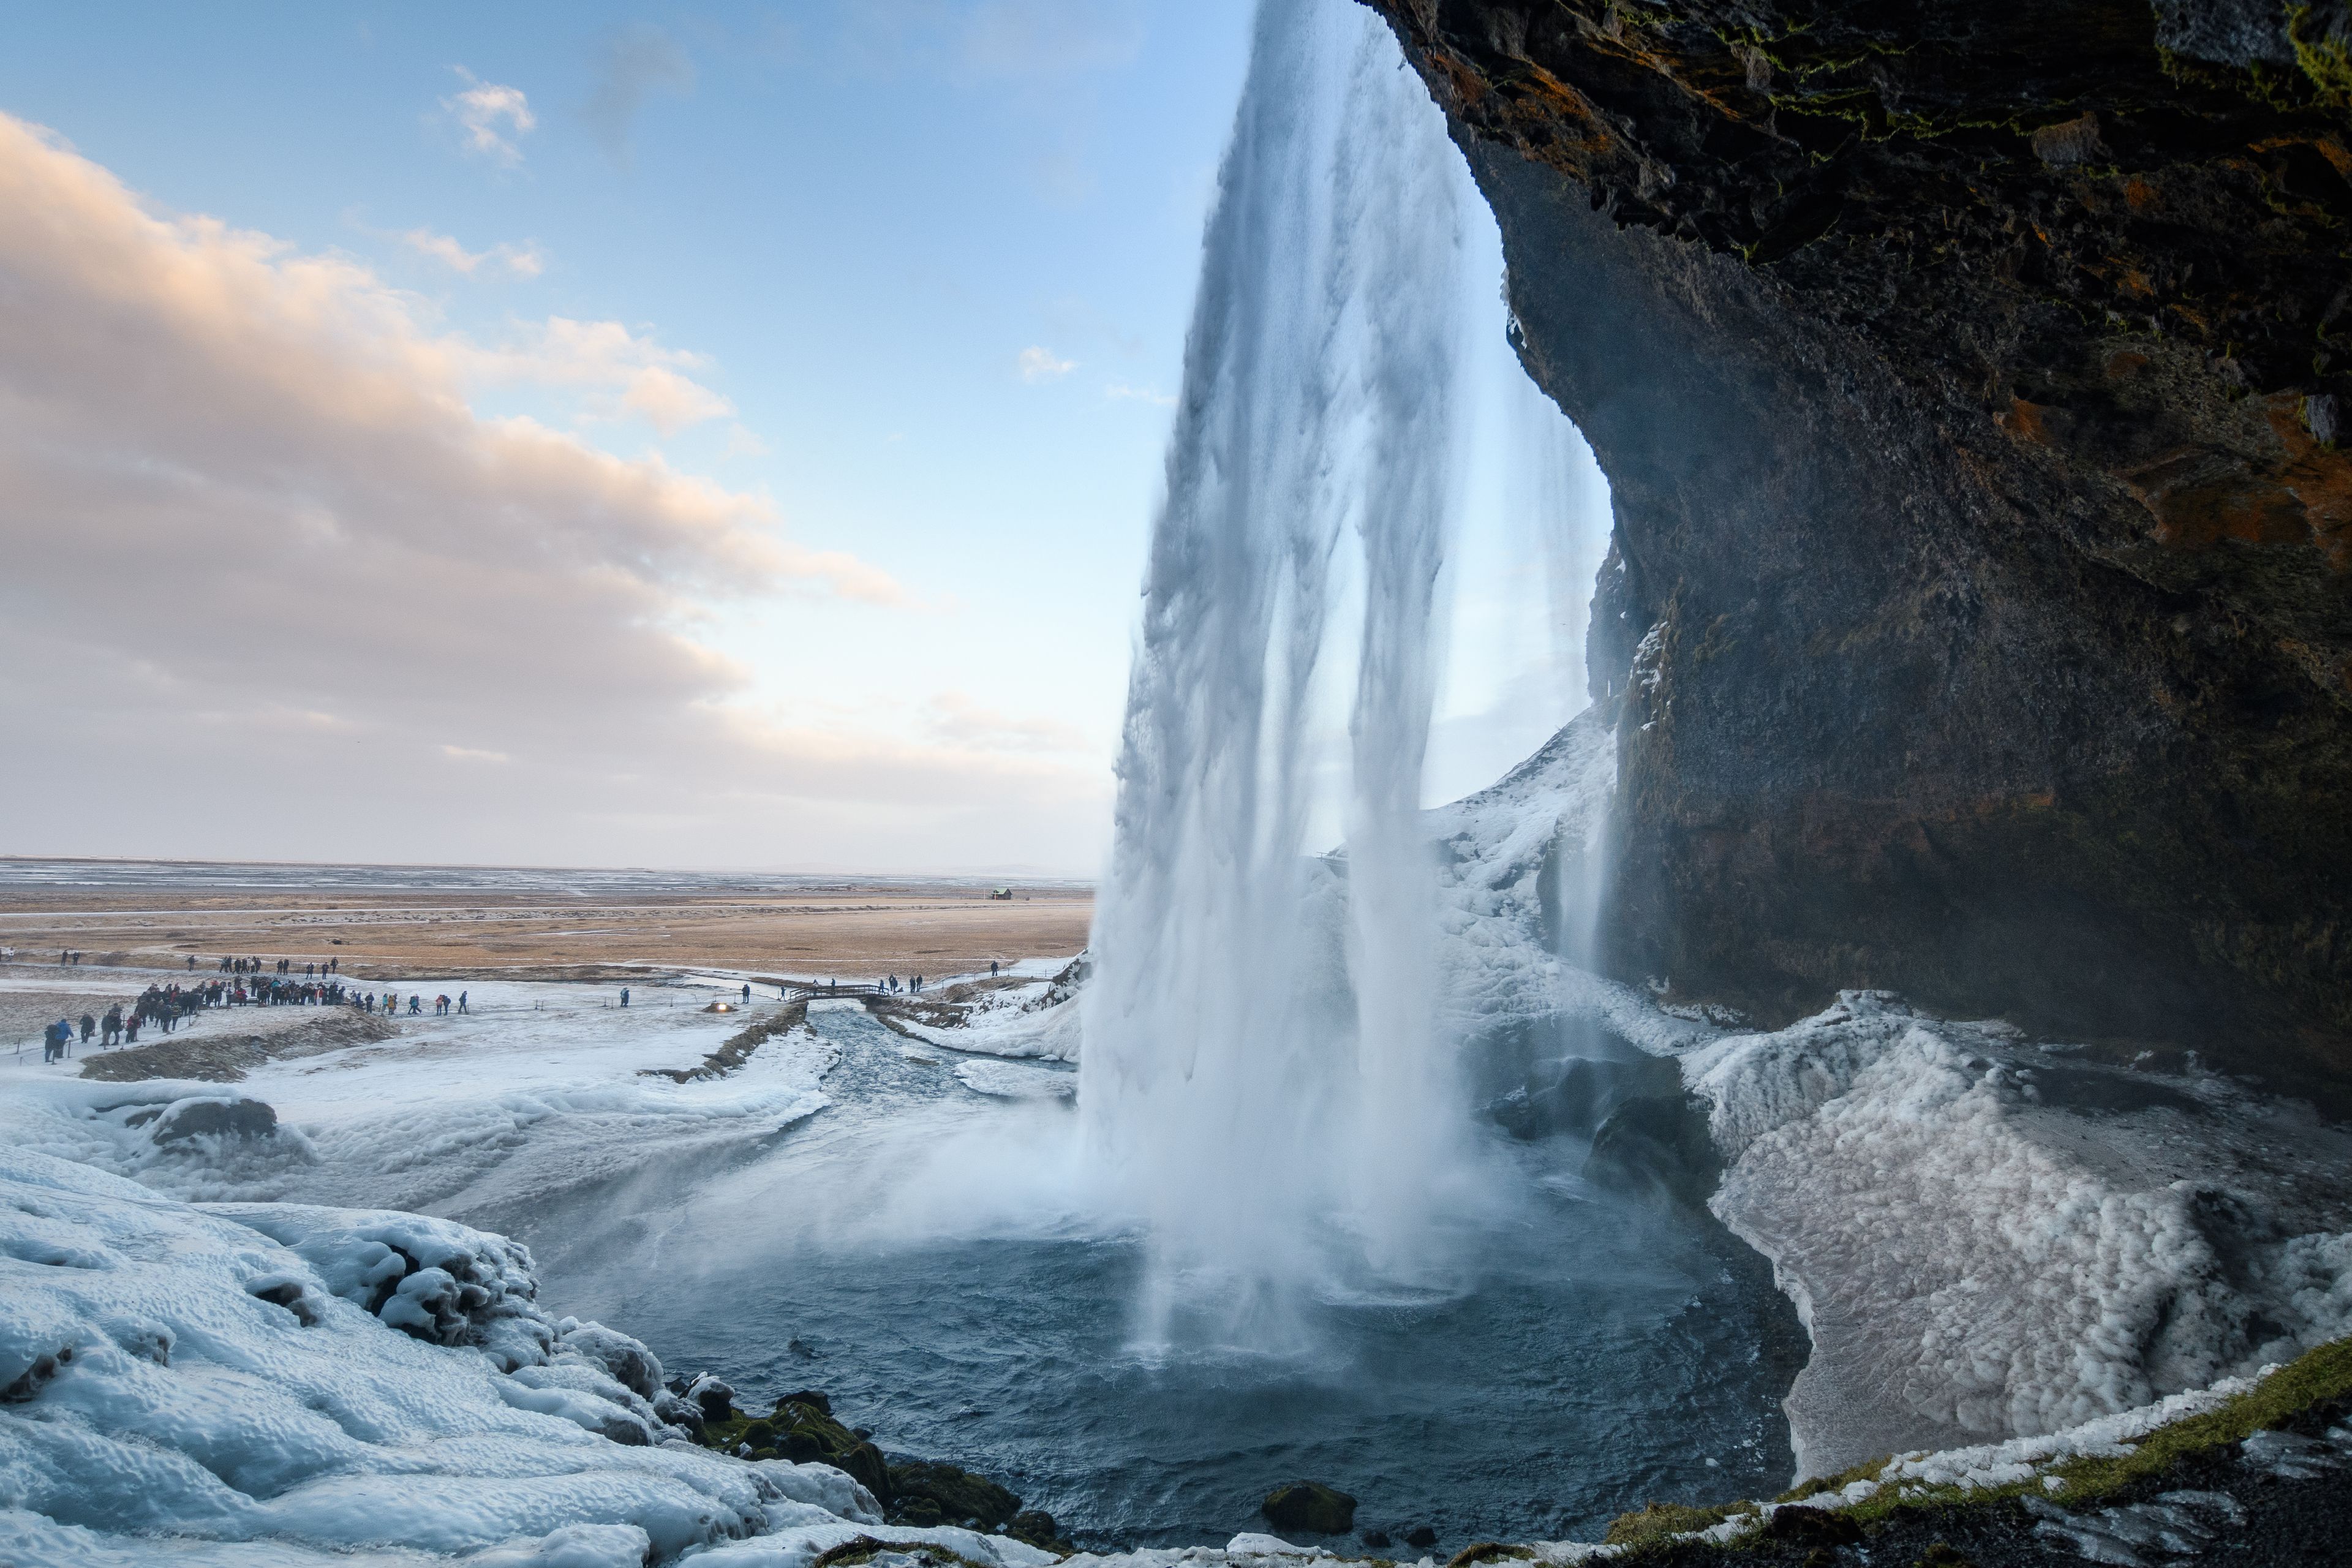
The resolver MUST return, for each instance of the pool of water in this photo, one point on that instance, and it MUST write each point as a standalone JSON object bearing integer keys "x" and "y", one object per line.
{"x": 919, "y": 1251}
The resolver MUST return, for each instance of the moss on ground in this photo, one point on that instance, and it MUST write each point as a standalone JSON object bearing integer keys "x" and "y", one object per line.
{"x": 2320, "y": 1375}
{"x": 1486, "y": 1551}
{"x": 1661, "y": 1521}
{"x": 739, "y": 1047}
{"x": 866, "y": 1548}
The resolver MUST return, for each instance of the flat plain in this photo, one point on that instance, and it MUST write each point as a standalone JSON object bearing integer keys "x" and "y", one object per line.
{"x": 597, "y": 928}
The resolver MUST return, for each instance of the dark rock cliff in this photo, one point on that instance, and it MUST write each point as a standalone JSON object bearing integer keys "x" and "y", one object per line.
{"x": 1970, "y": 378}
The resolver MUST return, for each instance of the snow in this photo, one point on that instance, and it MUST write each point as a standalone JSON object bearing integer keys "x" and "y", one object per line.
{"x": 1039, "y": 1020}
{"x": 168, "y": 1404}
{"x": 1989, "y": 1238}
{"x": 536, "y": 1089}
{"x": 1986, "y": 1238}
{"x": 1017, "y": 1080}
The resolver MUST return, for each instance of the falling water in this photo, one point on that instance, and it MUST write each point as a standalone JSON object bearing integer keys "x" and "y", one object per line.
{"x": 1260, "y": 1083}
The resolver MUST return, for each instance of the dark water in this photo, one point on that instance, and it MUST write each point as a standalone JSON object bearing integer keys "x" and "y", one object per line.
{"x": 912, "y": 1251}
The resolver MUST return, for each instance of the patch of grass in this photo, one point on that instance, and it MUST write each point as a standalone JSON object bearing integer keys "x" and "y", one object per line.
{"x": 2318, "y": 1375}
{"x": 1836, "y": 1483}
{"x": 1657, "y": 1521}
{"x": 1486, "y": 1551}
{"x": 866, "y": 1548}
{"x": 738, "y": 1049}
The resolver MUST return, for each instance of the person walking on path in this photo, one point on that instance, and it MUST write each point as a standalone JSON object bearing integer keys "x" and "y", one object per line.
{"x": 624, "y": 996}
{"x": 461, "y": 1001}
{"x": 747, "y": 994}
{"x": 111, "y": 1024}
{"x": 88, "y": 1027}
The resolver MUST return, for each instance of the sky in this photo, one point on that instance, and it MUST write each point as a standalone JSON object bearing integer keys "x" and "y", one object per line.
{"x": 714, "y": 437}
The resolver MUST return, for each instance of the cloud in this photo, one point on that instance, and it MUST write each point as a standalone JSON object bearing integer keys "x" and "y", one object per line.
{"x": 261, "y": 560}
{"x": 956, "y": 718}
{"x": 742, "y": 443}
{"x": 1120, "y": 392}
{"x": 626, "y": 373}
{"x": 517, "y": 260}
{"x": 635, "y": 63}
{"x": 482, "y": 108}
{"x": 1041, "y": 364}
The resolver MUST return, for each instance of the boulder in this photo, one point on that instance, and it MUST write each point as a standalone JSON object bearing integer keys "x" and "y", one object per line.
{"x": 1038, "y": 1529}
{"x": 1655, "y": 1143}
{"x": 715, "y": 1399}
{"x": 1309, "y": 1506}
{"x": 628, "y": 1362}
{"x": 806, "y": 1434}
{"x": 239, "y": 1118}
{"x": 960, "y": 1496}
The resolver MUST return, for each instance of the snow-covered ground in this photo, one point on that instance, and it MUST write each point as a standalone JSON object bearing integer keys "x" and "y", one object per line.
{"x": 1037, "y": 1020}
{"x": 535, "y": 1089}
{"x": 284, "y": 1384}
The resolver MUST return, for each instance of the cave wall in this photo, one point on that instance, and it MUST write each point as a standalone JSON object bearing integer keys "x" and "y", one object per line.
{"x": 1968, "y": 382}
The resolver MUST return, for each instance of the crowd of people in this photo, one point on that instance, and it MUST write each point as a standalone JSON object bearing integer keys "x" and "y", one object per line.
{"x": 251, "y": 982}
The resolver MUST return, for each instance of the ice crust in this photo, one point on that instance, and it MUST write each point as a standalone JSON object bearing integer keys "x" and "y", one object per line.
{"x": 233, "y": 1385}
{"x": 1986, "y": 1237}
{"x": 528, "y": 1094}
{"x": 1990, "y": 1239}
{"x": 1038, "y": 1021}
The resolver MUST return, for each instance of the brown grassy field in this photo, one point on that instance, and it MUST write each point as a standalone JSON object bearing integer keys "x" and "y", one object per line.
{"x": 848, "y": 930}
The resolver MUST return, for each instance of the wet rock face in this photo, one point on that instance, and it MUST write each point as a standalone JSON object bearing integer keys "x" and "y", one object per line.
{"x": 1310, "y": 1507}
{"x": 1969, "y": 380}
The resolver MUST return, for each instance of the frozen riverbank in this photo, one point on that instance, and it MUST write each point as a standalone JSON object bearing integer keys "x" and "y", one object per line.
{"x": 1988, "y": 1236}
{"x": 536, "y": 1089}
{"x": 286, "y": 1385}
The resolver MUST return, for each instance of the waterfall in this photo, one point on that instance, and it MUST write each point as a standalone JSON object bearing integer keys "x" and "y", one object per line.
{"x": 1260, "y": 1083}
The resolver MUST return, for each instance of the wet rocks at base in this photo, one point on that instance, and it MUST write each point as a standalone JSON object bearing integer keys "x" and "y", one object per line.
{"x": 1310, "y": 1506}
{"x": 920, "y": 1493}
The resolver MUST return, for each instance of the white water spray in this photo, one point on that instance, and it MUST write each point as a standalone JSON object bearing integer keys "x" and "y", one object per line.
{"x": 1259, "y": 1091}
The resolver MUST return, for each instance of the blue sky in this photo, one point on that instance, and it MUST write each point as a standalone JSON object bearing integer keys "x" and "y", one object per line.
{"x": 906, "y": 278}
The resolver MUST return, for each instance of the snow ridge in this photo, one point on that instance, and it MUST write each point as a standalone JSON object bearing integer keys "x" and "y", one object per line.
{"x": 284, "y": 1384}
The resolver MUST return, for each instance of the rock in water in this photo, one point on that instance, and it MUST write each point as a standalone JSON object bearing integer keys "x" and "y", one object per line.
{"x": 1309, "y": 1506}
{"x": 239, "y": 1118}
{"x": 961, "y": 1497}
{"x": 1656, "y": 1143}
{"x": 715, "y": 1399}
{"x": 1040, "y": 1530}
{"x": 807, "y": 1433}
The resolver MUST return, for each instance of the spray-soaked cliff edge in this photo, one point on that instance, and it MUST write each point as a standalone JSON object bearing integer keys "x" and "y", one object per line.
{"x": 1969, "y": 380}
